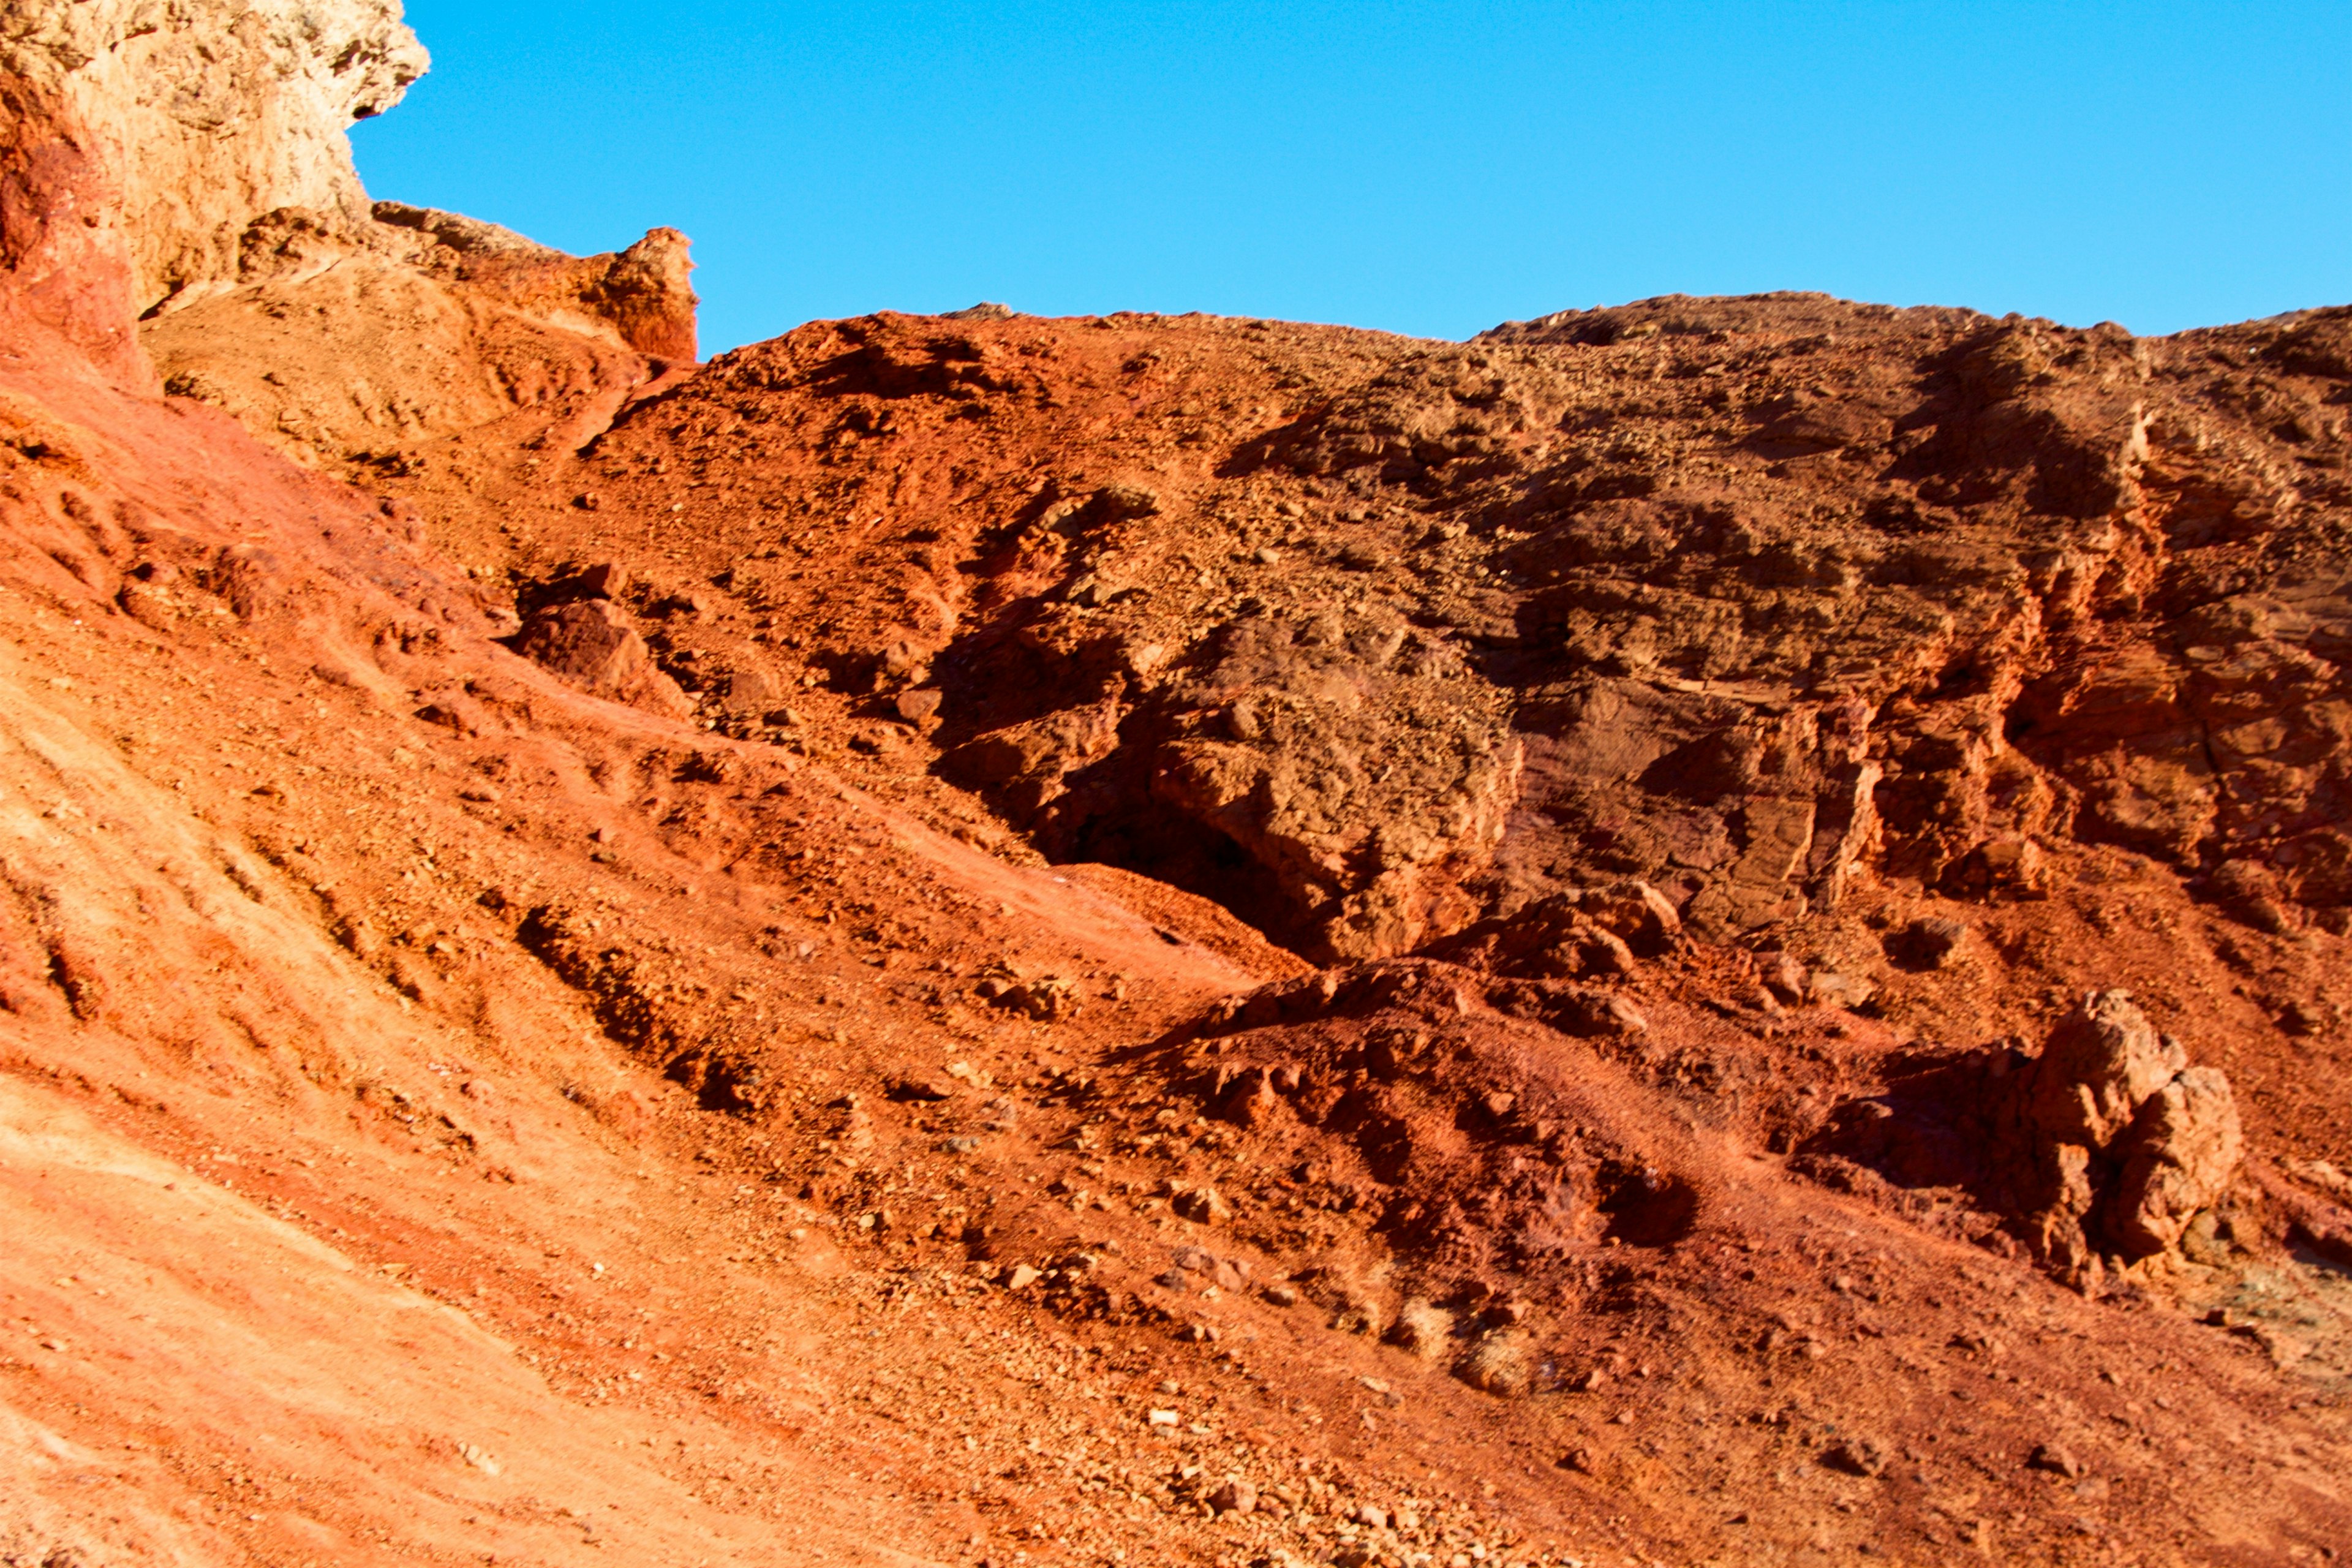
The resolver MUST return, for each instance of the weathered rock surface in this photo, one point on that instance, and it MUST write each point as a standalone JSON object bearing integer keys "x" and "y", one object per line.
{"x": 1705, "y": 743}
{"x": 427, "y": 327}
{"x": 2103, "y": 1064}
{"x": 1397, "y": 637}
{"x": 2134, "y": 1142}
{"x": 217, "y": 126}
{"x": 591, "y": 643}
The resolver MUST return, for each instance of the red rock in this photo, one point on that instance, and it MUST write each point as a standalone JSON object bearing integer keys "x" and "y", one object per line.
{"x": 1533, "y": 687}
{"x": 590, "y": 642}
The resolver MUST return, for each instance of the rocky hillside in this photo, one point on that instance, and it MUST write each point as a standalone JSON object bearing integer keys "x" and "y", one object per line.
{"x": 1711, "y": 932}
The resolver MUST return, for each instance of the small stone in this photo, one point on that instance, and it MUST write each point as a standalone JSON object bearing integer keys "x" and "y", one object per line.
{"x": 1935, "y": 941}
{"x": 1500, "y": 1364}
{"x": 1614, "y": 1015}
{"x": 1282, "y": 1295}
{"x": 750, "y": 687}
{"x": 1842, "y": 990}
{"x": 1234, "y": 1497}
{"x": 917, "y": 704}
{"x": 1202, "y": 1205}
{"x": 2302, "y": 1018}
{"x": 1783, "y": 976}
{"x": 1859, "y": 1457}
{"x": 1421, "y": 1329}
{"x": 1371, "y": 1516}
{"x": 2056, "y": 1459}
{"x": 605, "y": 580}
{"x": 1022, "y": 1277}
{"x": 1577, "y": 1460}
{"x": 1165, "y": 1418}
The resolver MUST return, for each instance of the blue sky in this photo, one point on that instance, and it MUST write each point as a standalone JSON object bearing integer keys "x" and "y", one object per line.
{"x": 1431, "y": 169}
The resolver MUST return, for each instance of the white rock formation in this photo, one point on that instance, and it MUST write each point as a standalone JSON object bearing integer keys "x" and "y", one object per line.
{"x": 209, "y": 115}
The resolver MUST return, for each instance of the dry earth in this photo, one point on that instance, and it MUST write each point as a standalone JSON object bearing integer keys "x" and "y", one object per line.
{"x": 1710, "y": 932}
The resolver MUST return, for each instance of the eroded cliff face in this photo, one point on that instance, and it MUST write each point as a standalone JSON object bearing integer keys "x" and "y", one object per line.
{"x": 209, "y": 119}
{"x": 190, "y": 161}
{"x": 436, "y": 326}
{"x": 1714, "y": 929}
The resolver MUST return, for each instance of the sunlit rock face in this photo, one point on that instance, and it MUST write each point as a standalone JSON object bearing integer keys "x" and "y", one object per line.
{"x": 208, "y": 119}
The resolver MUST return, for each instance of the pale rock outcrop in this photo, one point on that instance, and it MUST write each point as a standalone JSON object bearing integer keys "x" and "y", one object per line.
{"x": 209, "y": 117}
{"x": 187, "y": 165}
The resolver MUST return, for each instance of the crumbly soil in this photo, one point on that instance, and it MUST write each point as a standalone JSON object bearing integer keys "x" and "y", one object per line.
{"x": 1094, "y": 980}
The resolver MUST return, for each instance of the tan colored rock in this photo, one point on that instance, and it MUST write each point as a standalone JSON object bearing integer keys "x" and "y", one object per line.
{"x": 1201, "y": 1204}
{"x": 1026, "y": 763}
{"x": 1786, "y": 978}
{"x": 1421, "y": 1328}
{"x": 1234, "y": 1497}
{"x": 210, "y": 118}
{"x": 1500, "y": 1365}
{"x": 1639, "y": 915}
{"x": 1366, "y": 820}
{"x": 2103, "y": 1063}
{"x": 2180, "y": 1157}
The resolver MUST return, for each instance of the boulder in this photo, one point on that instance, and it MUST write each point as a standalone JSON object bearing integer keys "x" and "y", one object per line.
{"x": 1024, "y": 764}
{"x": 591, "y": 643}
{"x": 1638, "y": 914}
{"x": 2103, "y": 1063}
{"x": 2179, "y": 1157}
{"x": 2130, "y": 1143}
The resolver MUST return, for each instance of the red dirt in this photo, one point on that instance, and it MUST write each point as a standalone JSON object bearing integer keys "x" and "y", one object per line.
{"x": 1377, "y": 898}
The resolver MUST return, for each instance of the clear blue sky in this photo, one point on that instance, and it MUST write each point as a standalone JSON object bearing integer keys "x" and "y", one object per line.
{"x": 1429, "y": 168}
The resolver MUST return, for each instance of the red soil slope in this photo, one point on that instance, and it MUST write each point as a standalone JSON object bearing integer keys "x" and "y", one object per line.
{"x": 1144, "y": 941}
